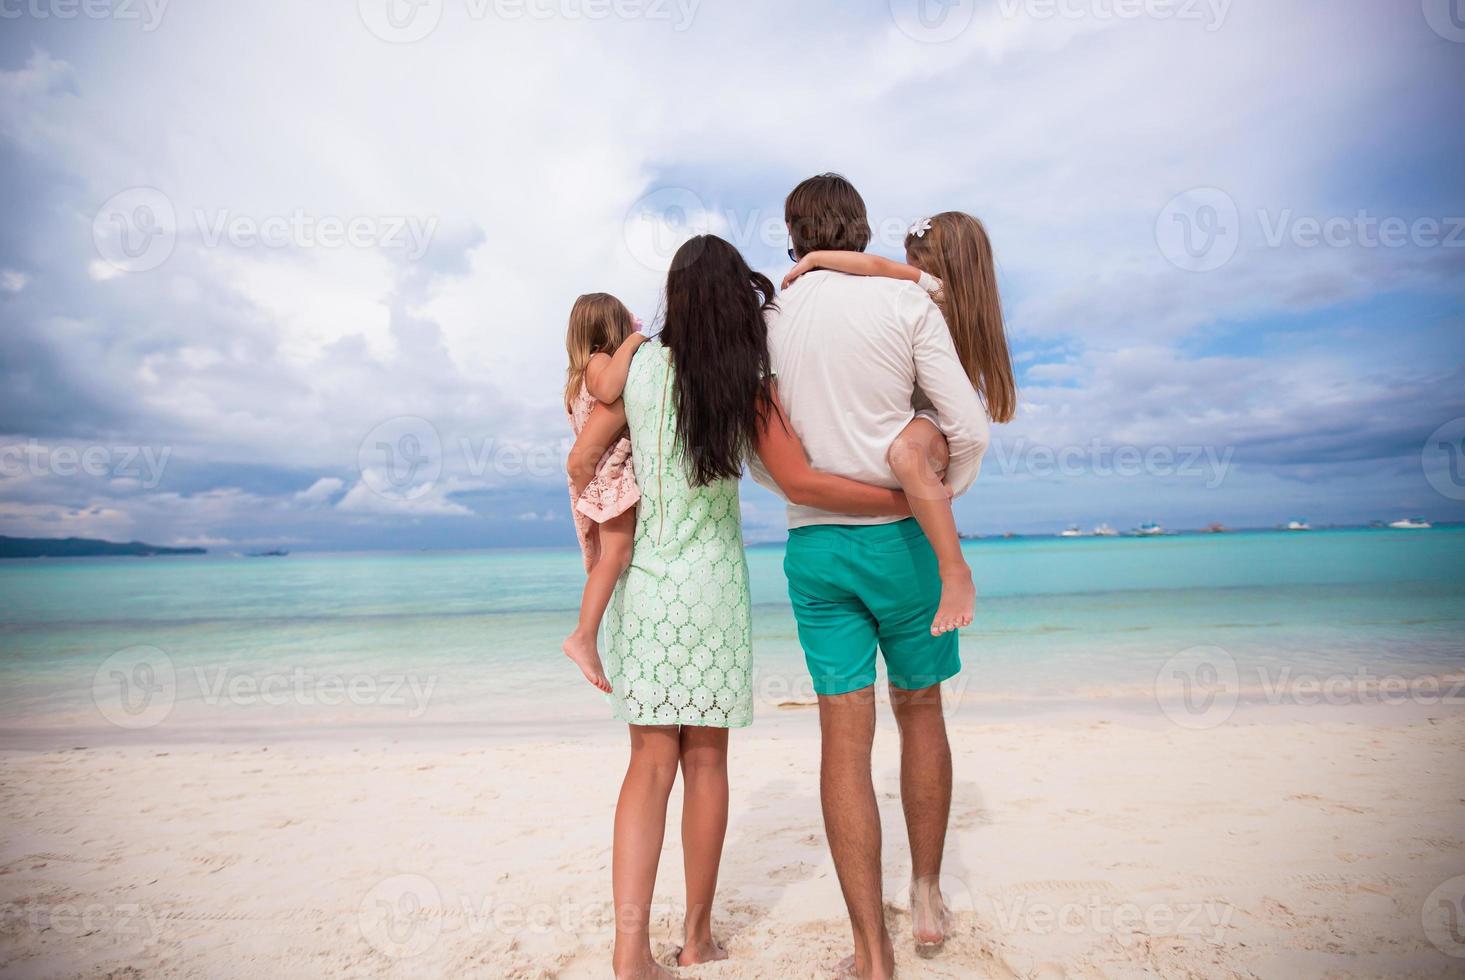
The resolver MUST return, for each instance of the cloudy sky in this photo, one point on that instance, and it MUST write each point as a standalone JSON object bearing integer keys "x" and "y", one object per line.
{"x": 297, "y": 274}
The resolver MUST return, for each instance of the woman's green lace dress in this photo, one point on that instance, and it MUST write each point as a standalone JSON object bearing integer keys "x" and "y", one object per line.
{"x": 679, "y": 637}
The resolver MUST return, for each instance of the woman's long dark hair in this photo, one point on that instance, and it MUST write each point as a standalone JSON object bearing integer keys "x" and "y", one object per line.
{"x": 719, "y": 347}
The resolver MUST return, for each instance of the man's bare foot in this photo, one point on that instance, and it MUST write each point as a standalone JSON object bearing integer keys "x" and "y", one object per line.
{"x": 709, "y": 951}
{"x": 581, "y": 649}
{"x": 958, "y": 600}
{"x": 848, "y": 968}
{"x": 930, "y": 919}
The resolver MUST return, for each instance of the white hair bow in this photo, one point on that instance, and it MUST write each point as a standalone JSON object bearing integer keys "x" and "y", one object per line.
{"x": 920, "y": 228}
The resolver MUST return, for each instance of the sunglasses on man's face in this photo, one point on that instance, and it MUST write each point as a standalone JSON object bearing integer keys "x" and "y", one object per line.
{"x": 792, "y": 255}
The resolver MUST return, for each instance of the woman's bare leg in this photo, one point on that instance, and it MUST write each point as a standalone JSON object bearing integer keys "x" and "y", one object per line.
{"x": 704, "y": 826}
{"x": 616, "y": 536}
{"x": 640, "y": 825}
{"x": 918, "y": 458}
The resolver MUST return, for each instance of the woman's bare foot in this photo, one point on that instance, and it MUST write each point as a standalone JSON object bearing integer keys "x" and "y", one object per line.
{"x": 581, "y": 649}
{"x": 930, "y": 919}
{"x": 958, "y": 599}
{"x": 707, "y": 951}
{"x": 646, "y": 969}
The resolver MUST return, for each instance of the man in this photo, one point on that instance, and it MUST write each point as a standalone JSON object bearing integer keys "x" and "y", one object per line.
{"x": 849, "y": 353}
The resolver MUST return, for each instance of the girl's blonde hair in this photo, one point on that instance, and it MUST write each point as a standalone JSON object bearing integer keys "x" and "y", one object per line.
{"x": 599, "y": 324}
{"x": 956, "y": 250}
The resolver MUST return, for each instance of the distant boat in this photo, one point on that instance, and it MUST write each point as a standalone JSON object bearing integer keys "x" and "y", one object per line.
{"x": 1411, "y": 524}
{"x": 1105, "y": 531}
{"x": 273, "y": 553}
{"x": 1149, "y": 529}
{"x": 1301, "y": 525}
{"x": 1217, "y": 529}
{"x": 1072, "y": 531}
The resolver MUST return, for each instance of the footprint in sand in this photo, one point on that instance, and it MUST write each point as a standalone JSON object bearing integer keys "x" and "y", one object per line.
{"x": 792, "y": 872}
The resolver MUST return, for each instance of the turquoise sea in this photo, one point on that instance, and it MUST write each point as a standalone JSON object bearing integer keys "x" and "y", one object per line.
{"x": 444, "y": 639}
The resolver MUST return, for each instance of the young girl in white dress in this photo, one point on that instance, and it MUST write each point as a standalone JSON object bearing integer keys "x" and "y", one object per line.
{"x": 950, "y": 255}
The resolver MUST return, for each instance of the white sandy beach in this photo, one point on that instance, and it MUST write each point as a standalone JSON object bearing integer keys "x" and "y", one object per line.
{"x": 1298, "y": 846}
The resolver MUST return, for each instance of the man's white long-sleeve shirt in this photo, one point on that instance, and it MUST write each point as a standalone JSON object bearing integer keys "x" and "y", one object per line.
{"x": 850, "y": 353}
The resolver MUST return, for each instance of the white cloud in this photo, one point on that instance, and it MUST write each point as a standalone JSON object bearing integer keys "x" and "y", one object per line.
{"x": 530, "y": 143}
{"x": 362, "y": 499}
{"x": 321, "y": 491}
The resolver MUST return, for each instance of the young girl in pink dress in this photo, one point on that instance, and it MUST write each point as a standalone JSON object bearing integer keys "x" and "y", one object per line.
{"x": 601, "y": 341}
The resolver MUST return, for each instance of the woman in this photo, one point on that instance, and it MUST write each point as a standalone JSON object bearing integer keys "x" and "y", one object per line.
{"x": 698, "y": 399}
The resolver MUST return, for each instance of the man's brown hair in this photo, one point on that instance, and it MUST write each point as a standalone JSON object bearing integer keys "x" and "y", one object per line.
{"x": 826, "y": 213}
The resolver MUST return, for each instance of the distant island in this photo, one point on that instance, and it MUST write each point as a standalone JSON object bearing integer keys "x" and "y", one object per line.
{"x": 84, "y": 548}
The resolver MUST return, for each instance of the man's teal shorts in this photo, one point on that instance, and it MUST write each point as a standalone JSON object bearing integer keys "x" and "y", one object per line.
{"x": 858, "y": 587}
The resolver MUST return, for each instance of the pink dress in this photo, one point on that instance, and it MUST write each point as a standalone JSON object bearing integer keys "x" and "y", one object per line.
{"x": 611, "y": 493}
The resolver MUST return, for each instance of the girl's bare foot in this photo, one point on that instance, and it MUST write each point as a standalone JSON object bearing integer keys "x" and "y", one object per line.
{"x": 708, "y": 951}
{"x": 958, "y": 600}
{"x": 581, "y": 649}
